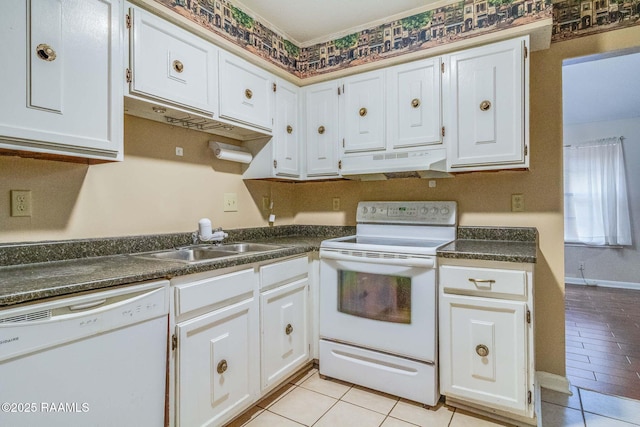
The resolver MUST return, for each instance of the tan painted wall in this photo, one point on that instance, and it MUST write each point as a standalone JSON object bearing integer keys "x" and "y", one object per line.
{"x": 153, "y": 191}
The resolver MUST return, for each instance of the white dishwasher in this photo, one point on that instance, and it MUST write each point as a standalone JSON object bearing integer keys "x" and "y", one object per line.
{"x": 98, "y": 359}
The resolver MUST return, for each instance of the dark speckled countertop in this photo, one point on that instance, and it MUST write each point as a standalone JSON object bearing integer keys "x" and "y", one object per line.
{"x": 29, "y": 275}
{"x": 511, "y": 244}
{"x": 37, "y": 270}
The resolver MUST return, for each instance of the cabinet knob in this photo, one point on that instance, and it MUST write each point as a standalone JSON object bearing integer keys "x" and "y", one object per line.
{"x": 362, "y": 112}
{"x": 275, "y": 164}
{"x": 415, "y": 102}
{"x": 178, "y": 66}
{"x": 485, "y": 105}
{"x": 289, "y": 329}
{"x": 222, "y": 366}
{"x": 248, "y": 94}
{"x": 45, "y": 52}
{"x": 482, "y": 350}
{"x": 289, "y": 129}
{"x": 321, "y": 130}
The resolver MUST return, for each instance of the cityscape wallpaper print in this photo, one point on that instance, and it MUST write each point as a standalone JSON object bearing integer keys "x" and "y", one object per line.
{"x": 456, "y": 21}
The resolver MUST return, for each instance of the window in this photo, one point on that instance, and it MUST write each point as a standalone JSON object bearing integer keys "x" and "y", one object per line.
{"x": 596, "y": 209}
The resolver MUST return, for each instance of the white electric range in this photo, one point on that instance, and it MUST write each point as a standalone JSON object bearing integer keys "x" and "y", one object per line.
{"x": 378, "y": 298}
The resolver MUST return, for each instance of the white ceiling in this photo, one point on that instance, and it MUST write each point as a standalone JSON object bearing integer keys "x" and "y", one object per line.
{"x": 601, "y": 88}
{"x": 306, "y": 22}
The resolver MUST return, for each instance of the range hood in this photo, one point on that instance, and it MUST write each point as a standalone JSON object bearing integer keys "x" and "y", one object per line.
{"x": 427, "y": 163}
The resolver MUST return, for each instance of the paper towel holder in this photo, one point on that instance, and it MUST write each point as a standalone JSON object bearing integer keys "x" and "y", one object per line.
{"x": 230, "y": 152}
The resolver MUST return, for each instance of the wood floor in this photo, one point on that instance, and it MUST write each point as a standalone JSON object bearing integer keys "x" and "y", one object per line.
{"x": 603, "y": 339}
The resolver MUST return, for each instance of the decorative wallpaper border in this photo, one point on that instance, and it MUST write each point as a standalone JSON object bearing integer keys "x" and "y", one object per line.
{"x": 457, "y": 21}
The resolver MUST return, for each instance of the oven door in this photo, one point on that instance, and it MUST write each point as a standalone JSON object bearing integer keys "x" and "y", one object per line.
{"x": 384, "y": 302}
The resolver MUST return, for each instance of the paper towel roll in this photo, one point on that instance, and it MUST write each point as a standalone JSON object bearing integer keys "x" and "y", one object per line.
{"x": 230, "y": 152}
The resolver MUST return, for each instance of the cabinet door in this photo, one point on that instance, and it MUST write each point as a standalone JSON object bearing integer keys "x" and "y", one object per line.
{"x": 322, "y": 121}
{"x": 217, "y": 368}
{"x": 60, "y": 79}
{"x": 362, "y": 112}
{"x": 171, "y": 64}
{"x": 483, "y": 351}
{"x": 286, "y": 131}
{"x": 488, "y": 94}
{"x": 414, "y": 102}
{"x": 285, "y": 335}
{"x": 246, "y": 92}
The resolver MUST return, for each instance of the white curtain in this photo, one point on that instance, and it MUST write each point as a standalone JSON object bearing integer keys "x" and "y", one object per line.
{"x": 596, "y": 205}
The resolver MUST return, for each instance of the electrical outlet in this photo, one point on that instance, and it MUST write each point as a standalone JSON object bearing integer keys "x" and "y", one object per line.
{"x": 336, "y": 203}
{"x": 20, "y": 202}
{"x": 179, "y": 152}
{"x": 265, "y": 203}
{"x": 517, "y": 203}
{"x": 230, "y": 202}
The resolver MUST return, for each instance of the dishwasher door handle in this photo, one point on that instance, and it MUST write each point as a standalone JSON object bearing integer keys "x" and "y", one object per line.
{"x": 86, "y": 305}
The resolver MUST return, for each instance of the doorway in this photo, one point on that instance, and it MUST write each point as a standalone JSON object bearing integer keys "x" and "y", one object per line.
{"x": 602, "y": 293}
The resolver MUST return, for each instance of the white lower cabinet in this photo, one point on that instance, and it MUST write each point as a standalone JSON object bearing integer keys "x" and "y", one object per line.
{"x": 215, "y": 368}
{"x": 486, "y": 337}
{"x": 216, "y": 372}
{"x": 238, "y": 334}
{"x": 284, "y": 319}
{"x": 285, "y": 336}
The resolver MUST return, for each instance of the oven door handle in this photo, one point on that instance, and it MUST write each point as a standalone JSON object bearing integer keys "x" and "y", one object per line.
{"x": 403, "y": 262}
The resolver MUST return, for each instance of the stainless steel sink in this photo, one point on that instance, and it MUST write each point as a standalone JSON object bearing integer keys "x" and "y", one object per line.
{"x": 202, "y": 253}
{"x": 248, "y": 247}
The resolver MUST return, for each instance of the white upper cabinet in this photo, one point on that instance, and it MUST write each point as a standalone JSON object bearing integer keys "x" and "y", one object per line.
{"x": 172, "y": 65}
{"x": 414, "y": 104}
{"x": 322, "y": 136}
{"x": 363, "y": 112}
{"x": 60, "y": 79}
{"x": 246, "y": 92}
{"x": 287, "y": 130}
{"x": 487, "y": 95}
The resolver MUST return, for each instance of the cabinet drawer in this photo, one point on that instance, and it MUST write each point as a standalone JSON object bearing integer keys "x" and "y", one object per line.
{"x": 280, "y": 272}
{"x": 489, "y": 282}
{"x": 214, "y": 291}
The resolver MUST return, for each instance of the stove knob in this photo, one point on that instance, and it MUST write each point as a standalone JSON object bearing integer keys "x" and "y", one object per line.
{"x": 434, "y": 210}
{"x": 423, "y": 211}
{"x": 373, "y": 210}
{"x": 444, "y": 211}
{"x": 365, "y": 210}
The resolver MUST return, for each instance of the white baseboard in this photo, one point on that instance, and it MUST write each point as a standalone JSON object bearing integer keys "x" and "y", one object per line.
{"x": 602, "y": 283}
{"x": 553, "y": 382}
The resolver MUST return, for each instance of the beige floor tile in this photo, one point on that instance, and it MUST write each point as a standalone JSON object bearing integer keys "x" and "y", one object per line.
{"x": 610, "y": 406}
{"x": 394, "y": 422}
{"x": 562, "y": 399}
{"x": 302, "y": 405}
{"x": 269, "y": 419}
{"x": 593, "y": 420}
{"x": 304, "y": 376}
{"x": 346, "y": 414}
{"x": 370, "y": 399}
{"x": 468, "y": 419}
{"x": 329, "y": 387}
{"x": 275, "y": 396}
{"x": 560, "y": 416}
{"x": 438, "y": 416}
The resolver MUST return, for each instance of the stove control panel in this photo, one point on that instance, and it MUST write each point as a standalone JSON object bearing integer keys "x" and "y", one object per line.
{"x": 426, "y": 213}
